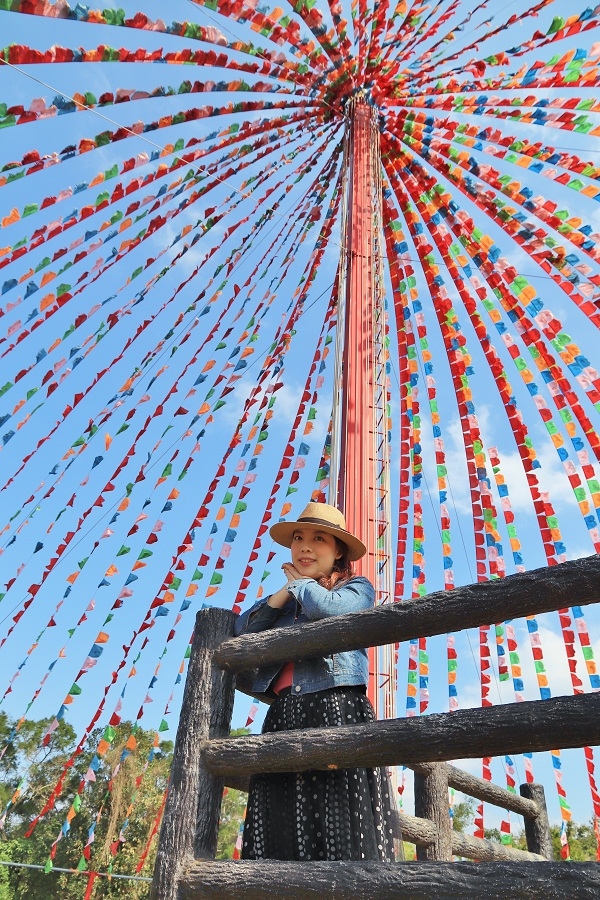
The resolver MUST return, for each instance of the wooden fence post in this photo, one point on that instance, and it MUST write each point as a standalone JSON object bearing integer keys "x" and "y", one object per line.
{"x": 191, "y": 819}
{"x": 537, "y": 831}
{"x": 431, "y": 802}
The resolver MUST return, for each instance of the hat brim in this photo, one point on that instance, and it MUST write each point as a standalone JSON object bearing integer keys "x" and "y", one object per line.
{"x": 283, "y": 533}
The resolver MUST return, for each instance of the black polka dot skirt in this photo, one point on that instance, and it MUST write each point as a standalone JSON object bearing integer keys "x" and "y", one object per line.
{"x": 334, "y": 815}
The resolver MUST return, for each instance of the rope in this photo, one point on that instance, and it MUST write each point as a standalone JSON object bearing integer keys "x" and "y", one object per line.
{"x": 5, "y": 862}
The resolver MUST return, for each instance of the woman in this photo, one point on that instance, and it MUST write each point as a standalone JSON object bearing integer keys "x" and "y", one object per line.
{"x": 333, "y": 815}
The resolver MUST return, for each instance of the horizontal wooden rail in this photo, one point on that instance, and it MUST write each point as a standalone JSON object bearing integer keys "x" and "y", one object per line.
{"x": 484, "y": 790}
{"x": 275, "y": 880}
{"x": 530, "y": 593}
{"x": 422, "y": 832}
{"x": 468, "y": 733}
{"x": 457, "y": 779}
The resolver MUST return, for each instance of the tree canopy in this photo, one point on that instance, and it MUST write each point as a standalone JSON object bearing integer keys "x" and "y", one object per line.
{"x": 120, "y": 809}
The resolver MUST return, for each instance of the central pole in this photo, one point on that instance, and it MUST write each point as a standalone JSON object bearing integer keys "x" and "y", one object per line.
{"x": 357, "y": 480}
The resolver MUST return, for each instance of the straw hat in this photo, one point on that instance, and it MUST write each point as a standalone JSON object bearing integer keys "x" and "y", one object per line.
{"x": 325, "y": 518}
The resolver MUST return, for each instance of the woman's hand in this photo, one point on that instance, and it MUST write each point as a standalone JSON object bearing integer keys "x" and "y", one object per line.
{"x": 290, "y": 572}
{"x": 282, "y": 596}
{"x": 293, "y": 574}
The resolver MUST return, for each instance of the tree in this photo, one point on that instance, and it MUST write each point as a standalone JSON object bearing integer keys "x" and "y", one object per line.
{"x": 463, "y": 814}
{"x": 118, "y": 807}
{"x": 7, "y": 851}
{"x": 583, "y": 845}
{"x": 582, "y": 841}
{"x": 518, "y": 840}
{"x": 232, "y": 815}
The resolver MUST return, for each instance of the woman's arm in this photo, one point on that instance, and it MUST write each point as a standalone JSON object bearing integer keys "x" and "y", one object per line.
{"x": 259, "y": 617}
{"x": 263, "y": 619}
{"x": 266, "y": 613}
{"x": 317, "y": 602}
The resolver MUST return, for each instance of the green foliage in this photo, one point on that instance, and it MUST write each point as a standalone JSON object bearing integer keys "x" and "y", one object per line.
{"x": 582, "y": 841}
{"x": 124, "y": 800}
{"x": 7, "y": 851}
{"x": 492, "y": 834}
{"x": 581, "y": 838}
{"x": 407, "y": 852}
{"x": 232, "y": 815}
{"x": 463, "y": 814}
{"x": 518, "y": 840}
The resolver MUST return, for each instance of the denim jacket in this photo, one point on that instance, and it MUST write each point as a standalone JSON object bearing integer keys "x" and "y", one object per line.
{"x": 309, "y": 602}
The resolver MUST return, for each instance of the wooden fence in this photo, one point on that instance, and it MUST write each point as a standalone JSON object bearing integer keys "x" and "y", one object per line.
{"x": 206, "y": 759}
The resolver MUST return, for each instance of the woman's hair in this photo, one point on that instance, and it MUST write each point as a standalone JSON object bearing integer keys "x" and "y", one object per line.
{"x": 342, "y": 568}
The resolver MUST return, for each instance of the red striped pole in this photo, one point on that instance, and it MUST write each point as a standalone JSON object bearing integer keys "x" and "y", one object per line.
{"x": 357, "y": 481}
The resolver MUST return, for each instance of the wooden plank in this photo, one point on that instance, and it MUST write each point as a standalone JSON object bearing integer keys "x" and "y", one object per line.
{"x": 238, "y": 784}
{"x": 274, "y": 880}
{"x": 416, "y": 830}
{"x": 484, "y": 790}
{"x": 467, "y": 733}
{"x": 537, "y": 830}
{"x": 422, "y": 832}
{"x": 468, "y": 606}
{"x": 489, "y": 851}
{"x": 431, "y": 804}
{"x": 190, "y": 827}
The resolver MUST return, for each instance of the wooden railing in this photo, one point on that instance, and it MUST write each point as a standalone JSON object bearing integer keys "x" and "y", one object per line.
{"x": 205, "y": 758}
{"x": 431, "y": 829}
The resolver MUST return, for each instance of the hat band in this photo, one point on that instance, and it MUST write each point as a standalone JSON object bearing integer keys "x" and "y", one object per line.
{"x": 315, "y": 521}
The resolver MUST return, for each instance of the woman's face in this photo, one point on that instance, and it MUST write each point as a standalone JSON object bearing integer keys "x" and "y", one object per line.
{"x": 314, "y": 552}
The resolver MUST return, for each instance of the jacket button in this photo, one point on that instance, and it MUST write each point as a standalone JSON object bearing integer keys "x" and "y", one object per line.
{"x": 297, "y": 688}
